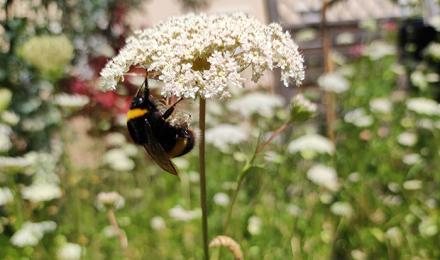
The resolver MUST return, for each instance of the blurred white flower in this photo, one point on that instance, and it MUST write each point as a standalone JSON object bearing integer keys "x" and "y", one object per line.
{"x": 254, "y": 225}
{"x": 181, "y": 214}
{"x": 71, "y": 101}
{"x": 118, "y": 160}
{"x": 324, "y": 176}
{"x": 342, "y": 209}
{"x": 31, "y": 233}
{"x": 358, "y": 255}
{"x": 301, "y": 108}
{"x": 221, "y": 199}
{"x": 10, "y": 117}
{"x": 428, "y": 227}
{"x": 359, "y": 118}
{"x": 333, "y": 82}
{"x": 306, "y": 35}
{"x": 423, "y": 106}
{"x": 345, "y": 38}
{"x": 39, "y": 192}
{"x": 181, "y": 163}
{"x": 256, "y": 103}
{"x": 311, "y": 143}
{"x": 224, "y": 135}
{"x": 69, "y": 251}
{"x": 354, "y": 177}
{"x": 204, "y": 55}
{"x": 294, "y": 210}
{"x": 407, "y": 139}
{"x": 381, "y": 105}
{"x": 5, "y": 196}
{"x": 5, "y": 141}
{"x": 413, "y": 185}
{"x": 14, "y": 162}
{"x": 326, "y": 197}
{"x": 419, "y": 79}
{"x": 273, "y": 157}
{"x": 109, "y": 200}
{"x": 411, "y": 159}
{"x": 434, "y": 21}
{"x": 433, "y": 50}
{"x": 115, "y": 139}
{"x": 394, "y": 235}
{"x": 379, "y": 49}
{"x": 157, "y": 223}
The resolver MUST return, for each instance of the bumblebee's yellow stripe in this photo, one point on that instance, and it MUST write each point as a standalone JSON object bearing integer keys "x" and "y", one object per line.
{"x": 136, "y": 112}
{"x": 178, "y": 148}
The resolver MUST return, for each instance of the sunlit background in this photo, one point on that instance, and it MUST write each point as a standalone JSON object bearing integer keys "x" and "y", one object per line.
{"x": 359, "y": 180}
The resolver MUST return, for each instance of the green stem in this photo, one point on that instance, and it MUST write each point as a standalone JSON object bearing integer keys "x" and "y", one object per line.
{"x": 243, "y": 173}
{"x": 202, "y": 172}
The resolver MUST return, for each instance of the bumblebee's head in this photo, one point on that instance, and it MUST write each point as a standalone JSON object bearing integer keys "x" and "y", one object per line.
{"x": 142, "y": 99}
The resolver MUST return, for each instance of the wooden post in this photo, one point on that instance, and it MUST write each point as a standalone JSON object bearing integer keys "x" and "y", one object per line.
{"x": 329, "y": 98}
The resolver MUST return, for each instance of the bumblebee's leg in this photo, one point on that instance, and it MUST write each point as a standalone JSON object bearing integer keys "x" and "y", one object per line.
{"x": 170, "y": 110}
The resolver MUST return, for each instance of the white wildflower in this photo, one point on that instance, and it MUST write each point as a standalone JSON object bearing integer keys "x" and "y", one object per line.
{"x": 71, "y": 101}
{"x": 14, "y": 162}
{"x": 109, "y": 199}
{"x": 115, "y": 139}
{"x": 221, "y": 199}
{"x": 10, "y": 117}
{"x": 342, "y": 209}
{"x": 157, "y": 223}
{"x": 354, "y": 177}
{"x": 419, "y": 79}
{"x": 428, "y": 227}
{"x": 311, "y": 144}
{"x": 273, "y": 157}
{"x": 181, "y": 214}
{"x": 423, "y": 106}
{"x": 204, "y": 55}
{"x": 345, "y": 38}
{"x": 38, "y": 192}
{"x": 254, "y": 225}
{"x": 407, "y": 139}
{"x": 324, "y": 176}
{"x": 301, "y": 108}
{"x": 118, "y": 160}
{"x": 69, "y": 251}
{"x": 359, "y": 118}
{"x": 411, "y": 159}
{"x": 256, "y": 103}
{"x": 413, "y": 185}
{"x": 381, "y": 105}
{"x": 358, "y": 255}
{"x": 31, "y": 233}
{"x": 333, "y": 82}
{"x": 294, "y": 210}
{"x": 326, "y": 197}
{"x": 433, "y": 50}
{"x": 5, "y": 141}
{"x": 379, "y": 49}
{"x": 223, "y": 136}
{"x": 394, "y": 235}
{"x": 5, "y": 196}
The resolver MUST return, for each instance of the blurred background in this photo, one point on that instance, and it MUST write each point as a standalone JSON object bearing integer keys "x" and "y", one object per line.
{"x": 360, "y": 180}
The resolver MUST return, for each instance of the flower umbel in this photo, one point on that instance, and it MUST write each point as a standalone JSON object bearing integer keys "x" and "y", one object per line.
{"x": 204, "y": 55}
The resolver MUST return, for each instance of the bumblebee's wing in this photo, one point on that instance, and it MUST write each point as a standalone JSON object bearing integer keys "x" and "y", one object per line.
{"x": 157, "y": 153}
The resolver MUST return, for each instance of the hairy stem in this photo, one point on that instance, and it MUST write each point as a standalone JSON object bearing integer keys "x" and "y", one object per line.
{"x": 121, "y": 234}
{"x": 202, "y": 172}
{"x": 245, "y": 170}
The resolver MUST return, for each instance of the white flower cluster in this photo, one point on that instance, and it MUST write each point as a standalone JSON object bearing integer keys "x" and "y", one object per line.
{"x": 69, "y": 251}
{"x": 313, "y": 143}
{"x": 109, "y": 199}
{"x": 423, "y": 106}
{"x": 333, "y": 82}
{"x": 180, "y": 214}
{"x": 31, "y": 233}
{"x": 256, "y": 103}
{"x": 204, "y": 55}
{"x": 324, "y": 176}
{"x": 225, "y": 135}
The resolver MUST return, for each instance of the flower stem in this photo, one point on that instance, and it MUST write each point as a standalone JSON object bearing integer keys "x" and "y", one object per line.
{"x": 121, "y": 234}
{"x": 202, "y": 169}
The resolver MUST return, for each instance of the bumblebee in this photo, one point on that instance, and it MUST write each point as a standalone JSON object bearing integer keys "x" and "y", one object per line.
{"x": 150, "y": 124}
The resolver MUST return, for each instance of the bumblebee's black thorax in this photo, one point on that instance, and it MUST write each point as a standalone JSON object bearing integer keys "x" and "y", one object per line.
{"x": 175, "y": 140}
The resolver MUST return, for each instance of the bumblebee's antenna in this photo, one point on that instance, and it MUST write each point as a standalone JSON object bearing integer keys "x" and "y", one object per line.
{"x": 144, "y": 87}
